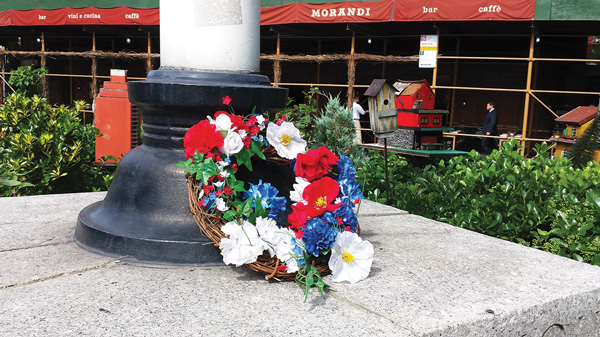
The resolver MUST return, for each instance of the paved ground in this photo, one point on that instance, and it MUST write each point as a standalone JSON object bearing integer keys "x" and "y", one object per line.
{"x": 428, "y": 279}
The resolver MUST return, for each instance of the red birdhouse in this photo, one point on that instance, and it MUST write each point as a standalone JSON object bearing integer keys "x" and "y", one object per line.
{"x": 414, "y": 95}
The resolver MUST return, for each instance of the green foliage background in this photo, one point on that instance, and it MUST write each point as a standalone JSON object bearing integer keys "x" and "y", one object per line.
{"x": 540, "y": 202}
{"x": 45, "y": 148}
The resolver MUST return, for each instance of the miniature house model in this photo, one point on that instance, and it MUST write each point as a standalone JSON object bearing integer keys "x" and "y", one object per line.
{"x": 416, "y": 125}
{"x": 382, "y": 108}
{"x": 576, "y": 123}
{"x": 414, "y": 95}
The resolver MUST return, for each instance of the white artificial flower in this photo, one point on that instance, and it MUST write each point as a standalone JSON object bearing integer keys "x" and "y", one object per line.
{"x": 224, "y": 174}
{"x": 261, "y": 122}
{"x": 285, "y": 253}
{"x": 222, "y": 122}
{"x": 243, "y": 244}
{"x": 279, "y": 242}
{"x": 221, "y": 206}
{"x": 218, "y": 184}
{"x": 299, "y": 186}
{"x": 286, "y": 140}
{"x": 351, "y": 258}
{"x": 242, "y": 133}
{"x": 232, "y": 143}
{"x": 271, "y": 234}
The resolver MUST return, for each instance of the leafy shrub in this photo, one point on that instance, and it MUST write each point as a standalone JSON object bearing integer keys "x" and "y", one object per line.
{"x": 46, "y": 146}
{"x": 539, "y": 202}
{"x": 27, "y": 81}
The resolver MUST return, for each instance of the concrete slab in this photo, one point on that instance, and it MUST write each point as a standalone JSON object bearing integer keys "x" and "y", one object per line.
{"x": 41, "y": 220}
{"x": 428, "y": 279}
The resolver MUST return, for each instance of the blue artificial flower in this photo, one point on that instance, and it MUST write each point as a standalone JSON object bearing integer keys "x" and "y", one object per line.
{"x": 349, "y": 192}
{"x": 345, "y": 217}
{"x": 267, "y": 194}
{"x": 298, "y": 251}
{"x": 345, "y": 168}
{"x": 318, "y": 236}
{"x": 210, "y": 201}
{"x": 260, "y": 140}
{"x": 349, "y": 188}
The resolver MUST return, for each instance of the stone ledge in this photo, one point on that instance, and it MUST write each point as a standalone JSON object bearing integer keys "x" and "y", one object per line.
{"x": 428, "y": 279}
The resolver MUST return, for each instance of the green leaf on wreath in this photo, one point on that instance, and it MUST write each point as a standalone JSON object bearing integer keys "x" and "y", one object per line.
{"x": 256, "y": 148}
{"x": 243, "y": 158}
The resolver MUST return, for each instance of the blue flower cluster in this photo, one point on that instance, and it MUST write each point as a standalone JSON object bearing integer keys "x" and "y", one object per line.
{"x": 318, "y": 235}
{"x": 267, "y": 194}
{"x": 349, "y": 188}
{"x": 210, "y": 202}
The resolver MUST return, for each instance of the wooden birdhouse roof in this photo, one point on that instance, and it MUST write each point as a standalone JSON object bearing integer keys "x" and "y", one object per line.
{"x": 579, "y": 115}
{"x": 375, "y": 87}
{"x": 407, "y": 88}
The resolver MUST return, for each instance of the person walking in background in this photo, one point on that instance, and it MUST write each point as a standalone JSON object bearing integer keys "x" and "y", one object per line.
{"x": 489, "y": 128}
{"x": 357, "y": 111}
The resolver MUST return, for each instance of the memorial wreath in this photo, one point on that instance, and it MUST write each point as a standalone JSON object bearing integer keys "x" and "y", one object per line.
{"x": 301, "y": 236}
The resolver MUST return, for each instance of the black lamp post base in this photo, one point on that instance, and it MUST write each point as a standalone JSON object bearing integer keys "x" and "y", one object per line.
{"x": 146, "y": 214}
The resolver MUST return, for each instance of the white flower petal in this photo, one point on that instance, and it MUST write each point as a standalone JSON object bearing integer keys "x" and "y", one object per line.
{"x": 222, "y": 122}
{"x": 232, "y": 143}
{"x": 362, "y": 253}
{"x": 243, "y": 245}
{"x": 299, "y": 186}
{"x": 286, "y": 140}
{"x": 221, "y": 206}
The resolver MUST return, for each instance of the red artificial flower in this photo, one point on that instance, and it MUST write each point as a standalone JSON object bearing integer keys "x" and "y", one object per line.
{"x": 206, "y": 189}
{"x": 320, "y": 196}
{"x": 254, "y": 130}
{"x": 218, "y": 193}
{"x": 281, "y": 120}
{"x": 251, "y": 121}
{"x": 227, "y": 190}
{"x": 202, "y": 137}
{"x": 282, "y": 268}
{"x": 297, "y": 219}
{"x": 247, "y": 141}
{"x": 226, "y": 100}
{"x": 315, "y": 163}
{"x": 236, "y": 120}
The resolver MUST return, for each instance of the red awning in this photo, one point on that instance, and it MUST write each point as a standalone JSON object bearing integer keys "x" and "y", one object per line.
{"x": 405, "y": 10}
{"x": 347, "y": 11}
{"x": 5, "y": 18}
{"x": 351, "y": 11}
{"x": 81, "y": 16}
{"x": 464, "y": 10}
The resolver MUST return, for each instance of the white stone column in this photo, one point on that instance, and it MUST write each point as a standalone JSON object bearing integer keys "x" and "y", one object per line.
{"x": 210, "y": 35}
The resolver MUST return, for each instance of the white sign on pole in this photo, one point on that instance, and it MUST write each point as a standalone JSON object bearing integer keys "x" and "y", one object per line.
{"x": 428, "y": 51}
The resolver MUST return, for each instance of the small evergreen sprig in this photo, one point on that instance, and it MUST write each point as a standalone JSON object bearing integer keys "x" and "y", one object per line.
{"x": 335, "y": 129}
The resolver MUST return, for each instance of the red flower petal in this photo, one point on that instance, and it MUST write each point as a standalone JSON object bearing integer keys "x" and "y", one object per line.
{"x": 314, "y": 164}
{"x": 202, "y": 137}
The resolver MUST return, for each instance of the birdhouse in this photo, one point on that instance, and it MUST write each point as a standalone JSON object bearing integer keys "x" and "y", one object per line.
{"x": 382, "y": 108}
{"x": 414, "y": 95}
{"x": 576, "y": 123}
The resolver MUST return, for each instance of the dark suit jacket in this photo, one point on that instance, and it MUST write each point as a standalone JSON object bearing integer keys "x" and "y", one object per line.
{"x": 490, "y": 123}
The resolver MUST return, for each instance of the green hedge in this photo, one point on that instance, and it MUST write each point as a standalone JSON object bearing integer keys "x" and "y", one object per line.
{"x": 46, "y": 149}
{"x": 539, "y": 202}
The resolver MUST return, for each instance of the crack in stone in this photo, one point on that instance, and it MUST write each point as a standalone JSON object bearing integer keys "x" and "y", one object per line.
{"x": 36, "y": 246}
{"x": 51, "y": 277}
{"x": 380, "y": 215}
{"x": 360, "y": 307}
